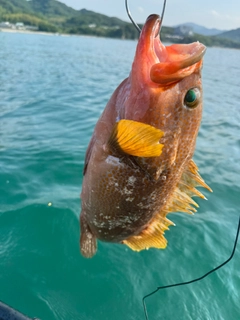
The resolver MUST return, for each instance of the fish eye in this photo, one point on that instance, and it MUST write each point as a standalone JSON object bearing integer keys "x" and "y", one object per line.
{"x": 192, "y": 98}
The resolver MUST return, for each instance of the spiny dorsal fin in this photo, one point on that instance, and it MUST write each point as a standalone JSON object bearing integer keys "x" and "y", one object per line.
{"x": 192, "y": 177}
{"x": 136, "y": 139}
{"x": 181, "y": 198}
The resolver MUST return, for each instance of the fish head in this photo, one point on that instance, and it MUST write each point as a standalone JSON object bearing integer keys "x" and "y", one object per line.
{"x": 166, "y": 91}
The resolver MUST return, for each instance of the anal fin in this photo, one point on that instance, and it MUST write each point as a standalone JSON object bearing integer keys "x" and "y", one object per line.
{"x": 151, "y": 237}
{"x": 88, "y": 241}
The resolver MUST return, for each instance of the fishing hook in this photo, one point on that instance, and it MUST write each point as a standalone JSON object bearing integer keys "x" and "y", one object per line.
{"x": 136, "y": 25}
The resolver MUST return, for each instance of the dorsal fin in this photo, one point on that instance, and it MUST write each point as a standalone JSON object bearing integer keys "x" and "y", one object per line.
{"x": 181, "y": 199}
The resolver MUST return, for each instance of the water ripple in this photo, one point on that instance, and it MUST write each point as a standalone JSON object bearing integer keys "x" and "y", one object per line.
{"x": 53, "y": 90}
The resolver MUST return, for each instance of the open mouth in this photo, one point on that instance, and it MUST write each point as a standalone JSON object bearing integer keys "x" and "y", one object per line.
{"x": 167, "y": 64}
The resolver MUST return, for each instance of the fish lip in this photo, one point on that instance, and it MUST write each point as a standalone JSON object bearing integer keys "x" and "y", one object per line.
{"x": 157, "y": 65}
{"x": 152, "y": 25}
{"x": 149, "y": 37}
{"x": 145, "y": 56}
{"x": 181, "y": 60}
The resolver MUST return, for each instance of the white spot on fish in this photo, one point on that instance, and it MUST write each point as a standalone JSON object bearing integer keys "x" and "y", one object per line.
{"x": 131, "y": 180}
{"x": 130, "y": 199}
{"x": 127, "y": 191}
{"x": 89, "y": 236}
{"x": 112, "y": 160}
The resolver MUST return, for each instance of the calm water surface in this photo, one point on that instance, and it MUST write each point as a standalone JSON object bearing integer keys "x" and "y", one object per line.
{"x": 52, "y": 91}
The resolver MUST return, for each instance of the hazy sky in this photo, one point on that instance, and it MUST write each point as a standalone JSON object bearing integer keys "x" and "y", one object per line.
{"x": 219, "y": 14}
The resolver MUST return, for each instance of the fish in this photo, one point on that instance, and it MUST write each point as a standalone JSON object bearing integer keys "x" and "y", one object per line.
{"x": 138, "y": 165}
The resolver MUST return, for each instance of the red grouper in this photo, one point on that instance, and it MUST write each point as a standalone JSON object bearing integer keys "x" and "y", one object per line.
{"x": 138, "y": 164}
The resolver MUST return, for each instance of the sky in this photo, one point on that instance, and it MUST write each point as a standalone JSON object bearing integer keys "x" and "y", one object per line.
{"x": 220, "y": 14}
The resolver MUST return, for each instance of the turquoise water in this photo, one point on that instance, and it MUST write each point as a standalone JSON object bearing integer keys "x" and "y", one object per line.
{"x": 52, "y": 91}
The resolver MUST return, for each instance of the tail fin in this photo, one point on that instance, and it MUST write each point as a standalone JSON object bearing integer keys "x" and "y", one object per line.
{"x": 88, "y": 241}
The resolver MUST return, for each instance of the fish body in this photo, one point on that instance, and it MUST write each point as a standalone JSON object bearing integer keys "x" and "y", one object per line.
{"x": 138, "y": 164}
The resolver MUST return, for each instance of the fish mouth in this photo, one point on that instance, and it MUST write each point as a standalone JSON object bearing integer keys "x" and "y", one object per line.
{"x": 164, "y": 65}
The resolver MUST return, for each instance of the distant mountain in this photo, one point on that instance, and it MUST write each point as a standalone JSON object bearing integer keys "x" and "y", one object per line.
{"x": 232, "y": 34}
{"x": 46, "y": 15}
{"x": 54, "y": 16}
{"x": 201, "y": 29}
{"x": 87, "y": 17}
{"x": 48, "y": 8}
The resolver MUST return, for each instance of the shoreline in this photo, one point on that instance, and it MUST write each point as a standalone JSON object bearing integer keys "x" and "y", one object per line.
{"x": 34, "y": 32}
{"x": 44, "y": 33}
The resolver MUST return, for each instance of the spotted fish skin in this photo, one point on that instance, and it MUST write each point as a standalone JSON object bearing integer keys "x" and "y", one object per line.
{"x": 138, "y": 164}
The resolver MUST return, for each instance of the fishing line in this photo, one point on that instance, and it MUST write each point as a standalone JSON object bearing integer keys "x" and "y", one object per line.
{"x": 194, "y": 280}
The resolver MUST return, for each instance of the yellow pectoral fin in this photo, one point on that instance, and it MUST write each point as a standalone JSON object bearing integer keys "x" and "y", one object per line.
{"x": 136, "y": 139}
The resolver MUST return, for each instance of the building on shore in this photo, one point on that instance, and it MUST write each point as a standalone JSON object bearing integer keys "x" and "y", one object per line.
{"x": 17, "y": 26}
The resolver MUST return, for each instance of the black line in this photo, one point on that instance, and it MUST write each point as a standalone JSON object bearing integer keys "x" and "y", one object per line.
{"x": 194, "y": 280}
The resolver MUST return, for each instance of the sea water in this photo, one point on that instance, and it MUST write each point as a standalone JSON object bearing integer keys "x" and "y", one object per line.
{"x": 52, "y": 91}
